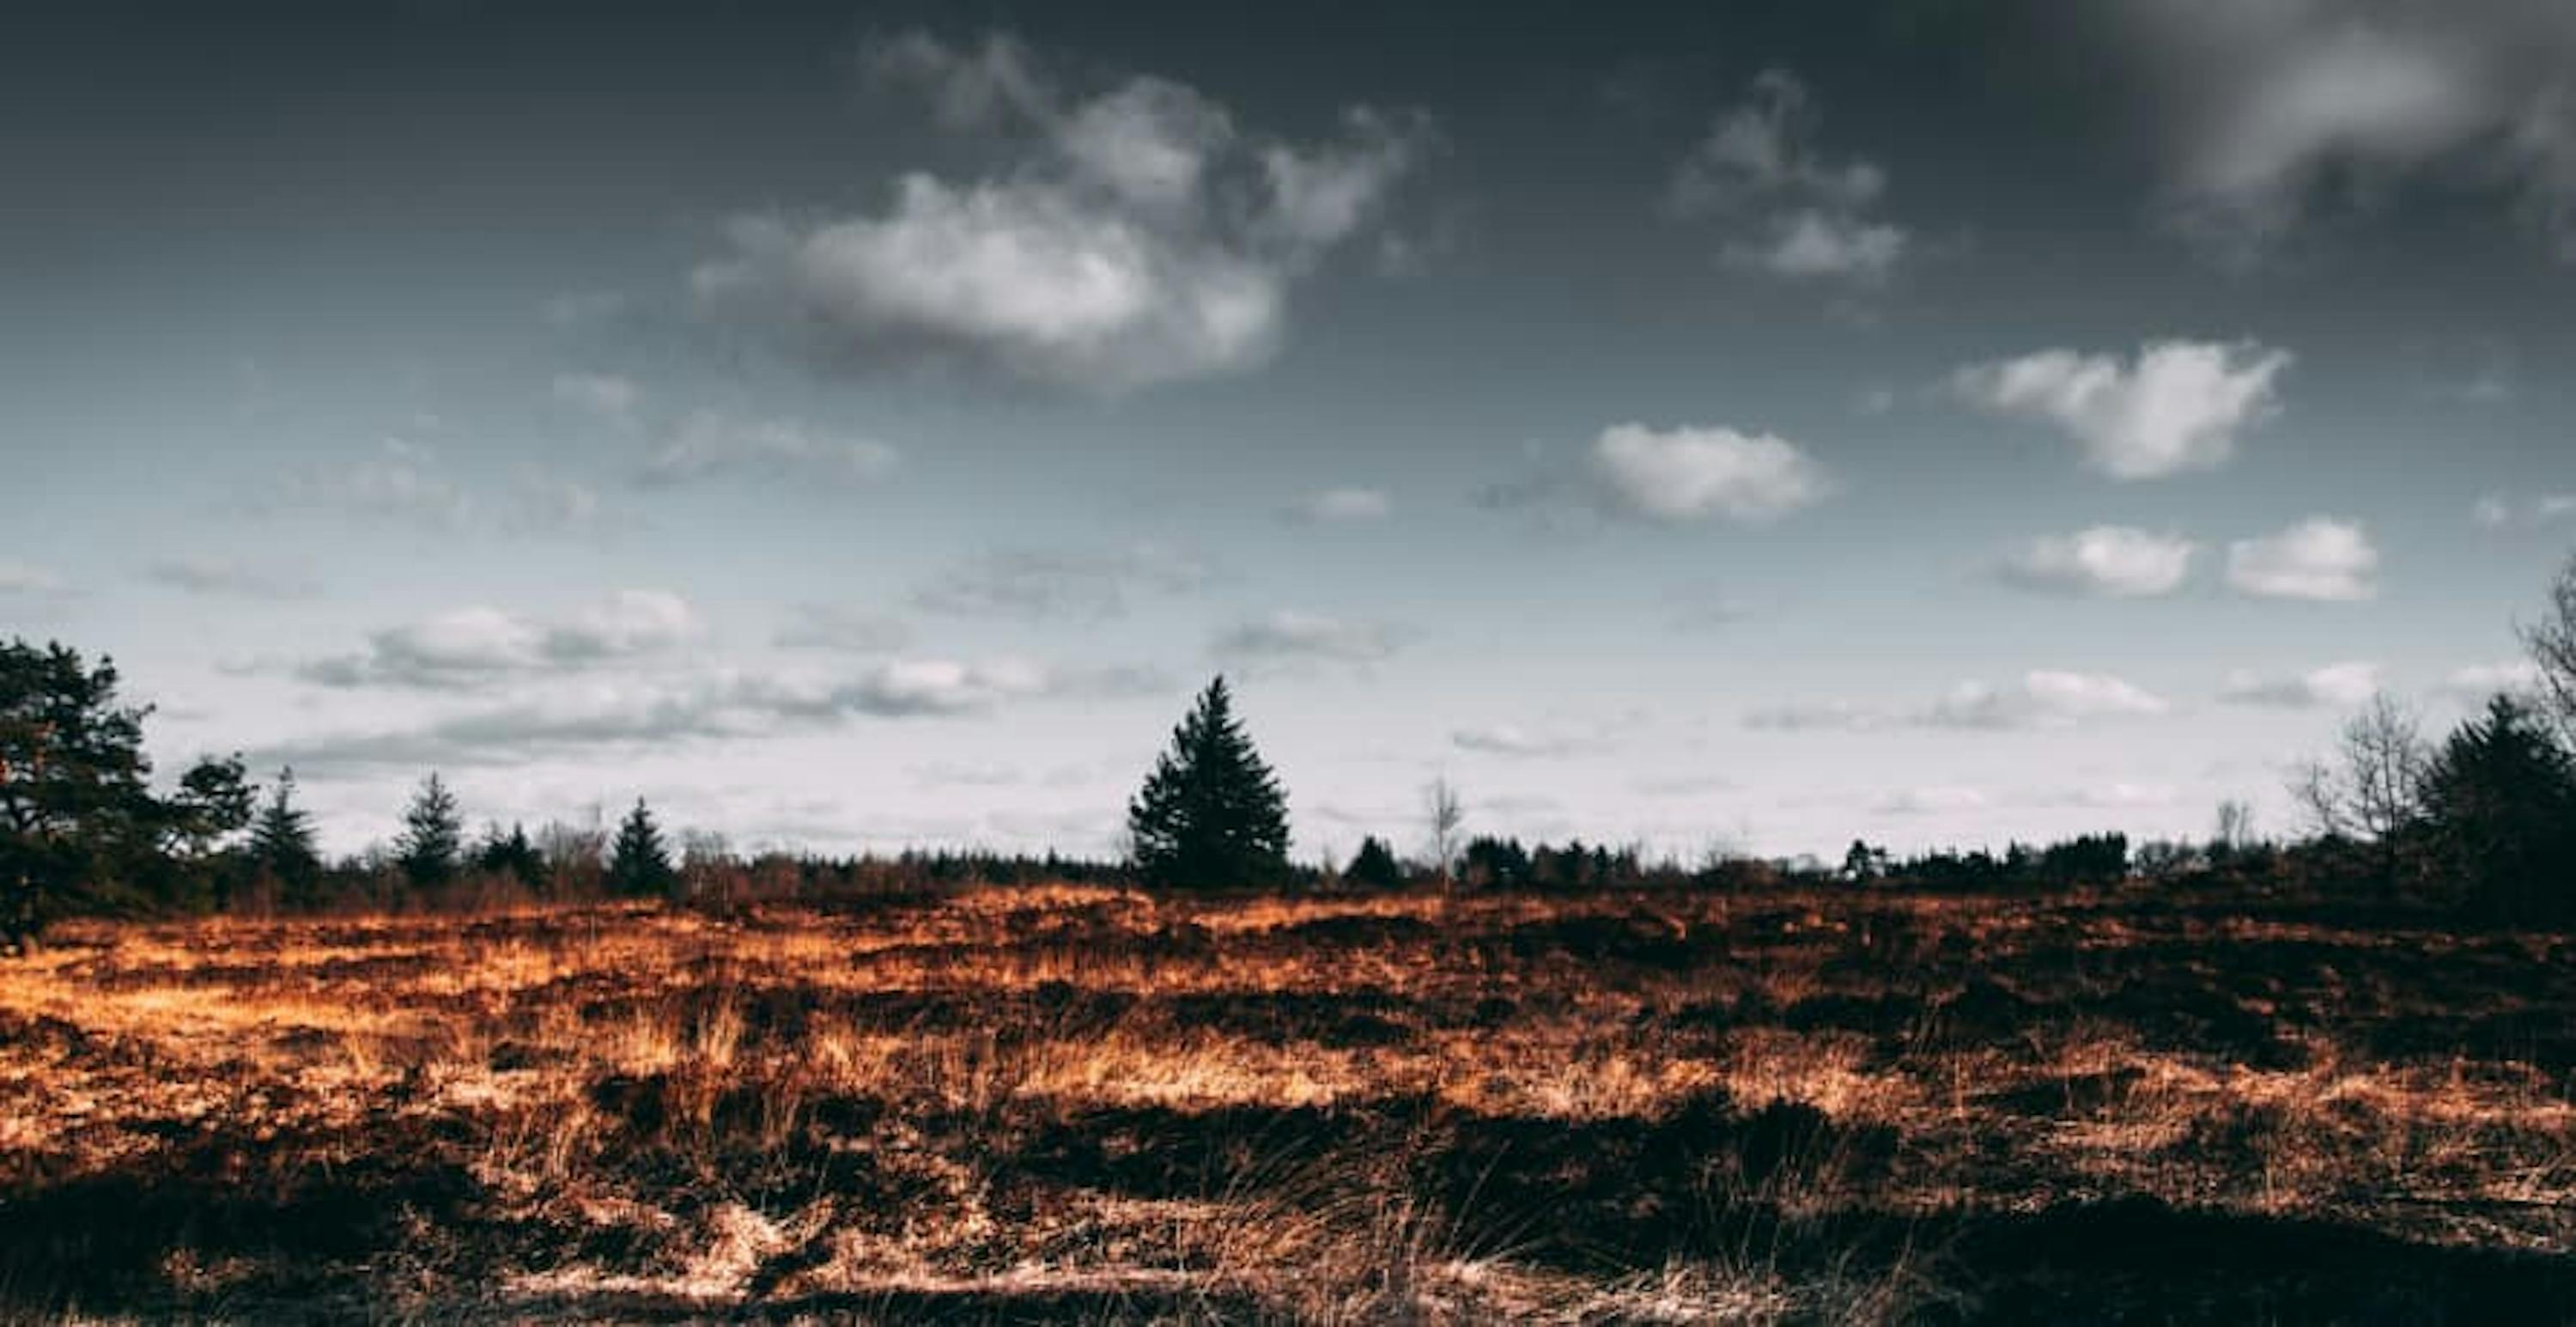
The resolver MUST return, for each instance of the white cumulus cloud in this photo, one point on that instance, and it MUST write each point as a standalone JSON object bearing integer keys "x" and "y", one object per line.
{"x": 1142, "y": 236}
{"x": 2176, "y": 406}
{"x": 2320, "y": 558}
{"x": 1692, "y": 473}
{"x": 2112, "y": 561}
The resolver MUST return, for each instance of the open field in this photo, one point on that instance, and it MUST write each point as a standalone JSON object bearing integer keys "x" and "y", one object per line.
{"x": 1090, "y": 1104}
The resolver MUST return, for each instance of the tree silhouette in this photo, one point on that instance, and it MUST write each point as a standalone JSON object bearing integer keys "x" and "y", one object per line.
{"x": 639, "y": 866}
{"x": 282, "y": 845}
{"x": 76, "y": 804}
{"x": 510, "y": 854}
{"x": 1374, "y": 865}
{"x": 1211, "y": 815}
{"x": 1495, "y": 863}
{"x": 433, "y": 836}
{"x": 2372, "y": 789}
{"x": 2501, "y": 797}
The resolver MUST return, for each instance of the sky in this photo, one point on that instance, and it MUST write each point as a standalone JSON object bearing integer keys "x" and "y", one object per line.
{"x": 1738, "y": 427}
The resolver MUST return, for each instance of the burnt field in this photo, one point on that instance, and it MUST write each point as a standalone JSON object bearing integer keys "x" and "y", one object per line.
{"x": 1095, "y": 1105}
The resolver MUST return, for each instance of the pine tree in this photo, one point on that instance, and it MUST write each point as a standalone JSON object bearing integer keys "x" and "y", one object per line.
{"x": 510, "y": 854}
{"x": 1374, "y": 865}
{"x": 639, "y": 866}
{"x": 1211, "y": 815}
{"x": 433, "y": 836}
{"x": 2500, "y": 797}
{"x": 282, "y": 845}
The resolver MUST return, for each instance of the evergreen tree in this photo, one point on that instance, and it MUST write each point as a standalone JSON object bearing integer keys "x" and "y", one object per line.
{"x": 2500, "y": 797}
{"x": 1496, "y": 863}
{"x": 77, "y": 812}
{"x": 639, "y": 866}
{"x": 1211, "y": 815}
{"x": 1374, "y": 865}
{"x": 282, "y": 846}
{"x": 510, "y": 854}
{"x": 433, "y": 836}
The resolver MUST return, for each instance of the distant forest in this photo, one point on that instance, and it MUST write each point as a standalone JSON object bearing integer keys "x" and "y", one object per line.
{"x": 2481, "y": 823}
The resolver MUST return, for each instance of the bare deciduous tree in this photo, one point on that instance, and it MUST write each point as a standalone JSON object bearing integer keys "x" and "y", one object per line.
{"x": 1440, "y": 807}
{"x": 2372, "y": 787}
{"x": 2552, "y": 643}
{"x": 2235, "y": 824}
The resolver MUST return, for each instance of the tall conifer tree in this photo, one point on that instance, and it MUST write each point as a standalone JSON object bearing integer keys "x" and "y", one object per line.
{"x": 433, "y": 835}
{"x": 1211, "y": 815}
{"x": 282, "y": 844}
{"x": 639, "y": 865}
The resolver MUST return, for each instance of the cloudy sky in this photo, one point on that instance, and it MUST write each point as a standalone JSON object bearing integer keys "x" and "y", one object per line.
{"x": 1757, "y": 424}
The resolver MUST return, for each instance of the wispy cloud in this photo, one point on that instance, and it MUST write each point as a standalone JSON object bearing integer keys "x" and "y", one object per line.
{"x": 27, "y": 578}
{"x": 607, "y": 397}
{"x": 711, "y": 445}
{"x": 2338, "y": 685}
{"x": 1289, "y": 637}
{"x": 1060, "y": 584}
{"x": 1338, "y": 506}
{"x": 217, "y": 575}
{"x": 1785, "y": 209}
{"x": 1511, "y": 739}
{"x": 399, "y": 479}
{"x": 613, "y": 719}
{"x": 473, "y": 647}
{"x": 843, "y": 628}
{"x": 2500, "y": 511}
{"x": 2042, "y": 698}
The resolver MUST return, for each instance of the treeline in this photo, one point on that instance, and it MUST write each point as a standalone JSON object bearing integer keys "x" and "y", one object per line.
{"x": 2481, "y": 822}
{"x": 434, "y": 864}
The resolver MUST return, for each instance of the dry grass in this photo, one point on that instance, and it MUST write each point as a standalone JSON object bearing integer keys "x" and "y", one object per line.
{"x": 1091, "y": 1104}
